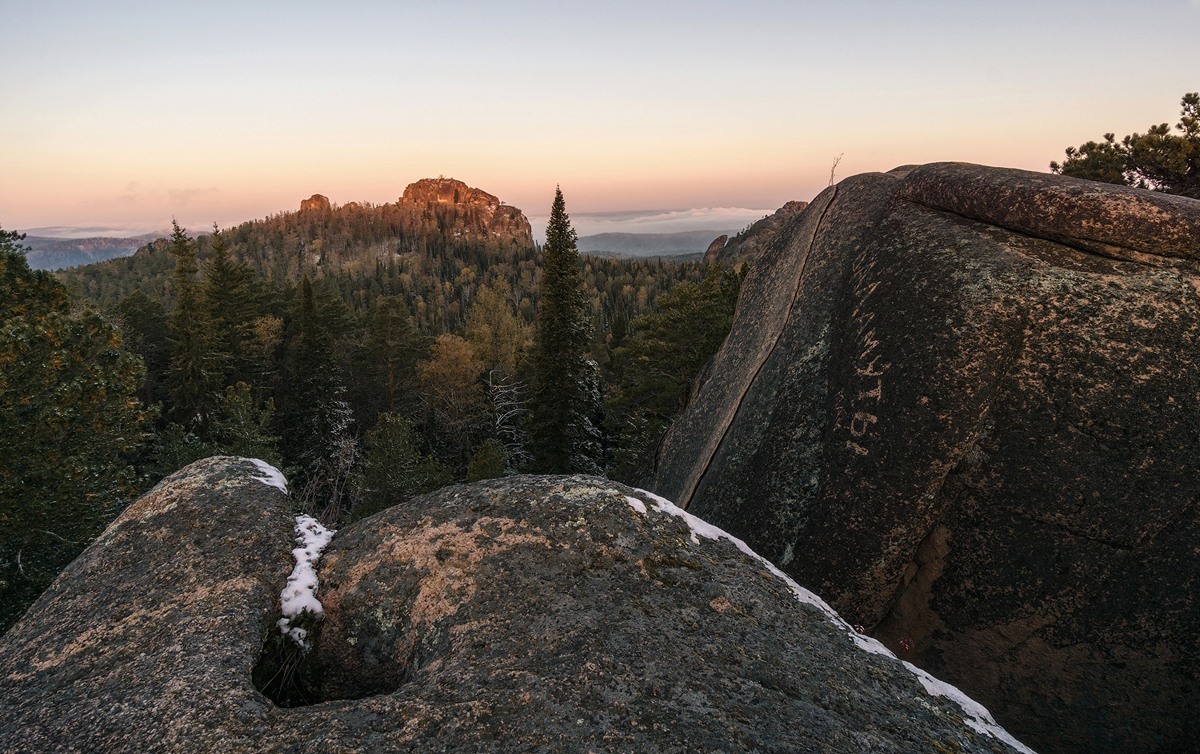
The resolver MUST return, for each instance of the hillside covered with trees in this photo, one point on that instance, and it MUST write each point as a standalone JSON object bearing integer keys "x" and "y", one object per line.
{"x": 374, "y": 353}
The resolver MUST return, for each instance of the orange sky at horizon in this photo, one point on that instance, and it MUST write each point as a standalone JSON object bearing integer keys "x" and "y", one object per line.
{"x": 123, "y": 117}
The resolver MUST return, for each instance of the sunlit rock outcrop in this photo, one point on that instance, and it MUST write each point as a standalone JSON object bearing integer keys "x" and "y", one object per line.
{"x": 316, "y": 203}
{"x": 452, "y": 207}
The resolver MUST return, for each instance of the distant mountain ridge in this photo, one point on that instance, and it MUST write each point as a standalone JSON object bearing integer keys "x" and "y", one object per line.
{"x": 649, "y": 244}
{"x": 58, "y": 253}
{"x": 441, "y": 206}
{"x": 322, "y": 237}
{"x": 749, "y": 244}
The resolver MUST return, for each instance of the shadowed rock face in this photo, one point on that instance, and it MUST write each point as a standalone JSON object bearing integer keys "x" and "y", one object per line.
{"x": 531, "y": 613}
{"x": 714, "y": 248}
{"x": 961, "y": 403}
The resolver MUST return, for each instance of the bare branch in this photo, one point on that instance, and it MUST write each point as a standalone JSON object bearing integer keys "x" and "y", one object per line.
{"x": 833, "y": 168}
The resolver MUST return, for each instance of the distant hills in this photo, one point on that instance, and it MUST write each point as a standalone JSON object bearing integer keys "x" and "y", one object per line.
{"x": 650, "y": 244}
{"x": 749, "y": 245}
{"x": 324, "y": 233}
{"x": 442, "y": 205}
{"x": 434, "y": 247}
{"x": 59, "y": 253}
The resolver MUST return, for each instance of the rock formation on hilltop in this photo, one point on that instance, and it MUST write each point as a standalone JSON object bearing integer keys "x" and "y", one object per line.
{"x": 443, "y": 206}
{"x": 530, "y": 613}
{"x": 452, "y": 207}
{"x": 749, "y": 245}
{"x": 961, "y": 404}
{"x": 315, "y": 203}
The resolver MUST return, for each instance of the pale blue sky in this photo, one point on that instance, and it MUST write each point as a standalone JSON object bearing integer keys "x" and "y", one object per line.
{"x": 126, "y": 113}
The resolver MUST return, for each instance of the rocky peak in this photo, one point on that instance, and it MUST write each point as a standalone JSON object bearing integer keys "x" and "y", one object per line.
{"x": 715, "y": 247}
{"x": 446, "y": 191}
{"x": 451, "y": 206}
{"x": 315, "y": 203}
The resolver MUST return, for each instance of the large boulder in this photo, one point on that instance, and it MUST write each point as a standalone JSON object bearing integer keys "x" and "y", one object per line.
{"x": 962, "y": 404}
{"x": 531, "y": 613}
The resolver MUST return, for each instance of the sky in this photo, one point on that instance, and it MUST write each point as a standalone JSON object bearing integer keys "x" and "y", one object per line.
{"x": 651, "y": 116}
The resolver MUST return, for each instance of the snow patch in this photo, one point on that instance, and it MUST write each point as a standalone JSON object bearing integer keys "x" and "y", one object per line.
{"x": 271, "y": 476}
{"x": 977, "y": 716}
{"x": 636, "y": 504}
{"x": 701, "y": 528}
{"x": 299, "y": 597}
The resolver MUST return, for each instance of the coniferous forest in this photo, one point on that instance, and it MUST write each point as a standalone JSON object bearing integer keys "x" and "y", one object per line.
{"x": 371, "y": 358}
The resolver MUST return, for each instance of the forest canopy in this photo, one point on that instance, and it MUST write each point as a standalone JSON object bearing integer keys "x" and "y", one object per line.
{"x": 370, "y": 361}
{"x": 73, "y": 426}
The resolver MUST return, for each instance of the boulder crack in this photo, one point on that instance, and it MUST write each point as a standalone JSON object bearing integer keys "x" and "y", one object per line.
{"x": 1079, "y": 534}
{"x": 1100, "y": 249}
{"x": 686, "y": 498}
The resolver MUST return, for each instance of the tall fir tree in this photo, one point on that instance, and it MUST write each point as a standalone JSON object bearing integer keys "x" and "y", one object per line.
{"x": 314, "y": 421}
{"x": 385, "y": 364}
{"x": 564, "y": 433}
{"x": 195, "y": 372}
{"x": 229, "y": 305}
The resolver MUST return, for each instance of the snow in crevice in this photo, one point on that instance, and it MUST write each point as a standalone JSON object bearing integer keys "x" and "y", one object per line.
{"x": 636, "y": 504}
{"x": 270, "y": 476}
{"x": 975, "y": 715}
{"x": 299, "y": 596}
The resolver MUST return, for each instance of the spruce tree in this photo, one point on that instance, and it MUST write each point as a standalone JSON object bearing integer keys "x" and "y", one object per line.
{"x": 314, "y": 421}
{"x": 565, "y": 400}
{"x": 194, "y": 375}
{"x": 229, "y": 305}
{"x": 385, "y": 364}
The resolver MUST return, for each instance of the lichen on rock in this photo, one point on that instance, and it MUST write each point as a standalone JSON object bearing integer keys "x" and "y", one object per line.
{"x": 543, "y": 613}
